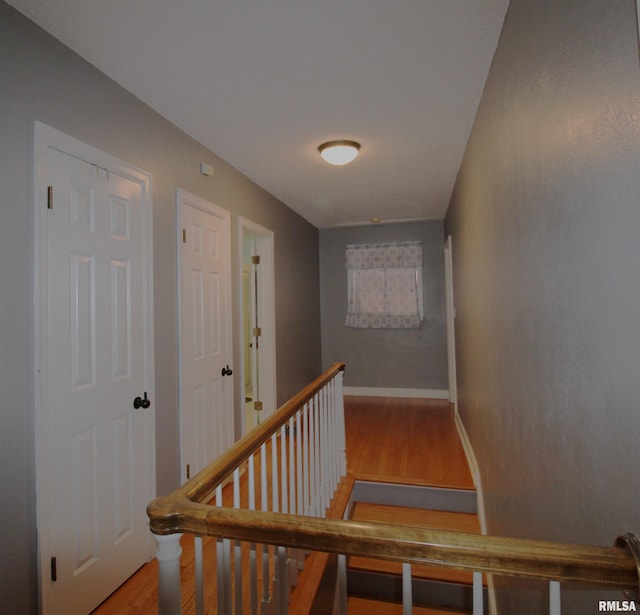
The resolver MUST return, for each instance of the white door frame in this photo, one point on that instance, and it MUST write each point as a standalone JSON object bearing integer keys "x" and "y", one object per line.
{"x": 46, "y": 137}
{"x": 451, "y": 316}
{"x": 267, "y": 366}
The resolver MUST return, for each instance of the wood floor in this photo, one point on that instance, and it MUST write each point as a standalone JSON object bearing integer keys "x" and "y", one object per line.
{"x": 408, "y": 441}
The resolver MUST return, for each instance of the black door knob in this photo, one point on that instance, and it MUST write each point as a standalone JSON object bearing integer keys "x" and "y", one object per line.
{"x": 139, "y": 402}
{"x": 226, "y": 371}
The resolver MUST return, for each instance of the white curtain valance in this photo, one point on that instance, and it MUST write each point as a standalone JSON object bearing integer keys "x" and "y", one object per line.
{"x": 400, "y": 255}
{"x": 384, "y": 285}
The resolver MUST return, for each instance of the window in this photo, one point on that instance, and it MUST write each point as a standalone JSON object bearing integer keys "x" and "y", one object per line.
{"x": 384, "y": 285}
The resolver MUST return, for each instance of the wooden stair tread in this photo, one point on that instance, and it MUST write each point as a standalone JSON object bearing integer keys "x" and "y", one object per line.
{"x": 364, "y": 606}
{"x": 416, "y": 517}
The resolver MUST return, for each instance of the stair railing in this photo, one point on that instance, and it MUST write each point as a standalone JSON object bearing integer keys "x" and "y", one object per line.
{"x": 303, "y": 445}
{"x": 287, "y": 467}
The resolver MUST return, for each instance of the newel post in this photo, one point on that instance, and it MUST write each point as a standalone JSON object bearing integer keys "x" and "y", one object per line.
{"x": 168, "y": 554}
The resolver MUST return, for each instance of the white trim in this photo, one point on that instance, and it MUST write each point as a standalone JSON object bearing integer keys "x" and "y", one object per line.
{"x": 473, "y": 467}
{"x": 393, "y": 392}
{"x": 45, "y": 137}
{"x": 450, "y": 320}
{"x": 265, "y": 239}
{"x": 475, "y": 474}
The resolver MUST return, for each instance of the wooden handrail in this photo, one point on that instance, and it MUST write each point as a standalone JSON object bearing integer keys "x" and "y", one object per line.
{"x": 184, "y": 511}
{"x": 612, "y": 567}
{"x": 200, "y": 488}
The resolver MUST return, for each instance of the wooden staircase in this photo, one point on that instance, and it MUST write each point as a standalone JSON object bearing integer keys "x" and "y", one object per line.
{"x": 435, "y": 589}
{"x": 375, "y": 585}
{"x": 400, "y": 515}
{"x": 412, "y": 472}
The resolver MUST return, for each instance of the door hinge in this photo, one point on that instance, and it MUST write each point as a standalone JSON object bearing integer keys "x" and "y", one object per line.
{"x": 255, "y": 259}
{"x": 257, "y": 405}
{"x": 188, "y": 471}
{"x": 54, "y": 570}
{"x": 184, "y": 235}
{"x": 257, "y": 331}
{"x": 49, "y": 197}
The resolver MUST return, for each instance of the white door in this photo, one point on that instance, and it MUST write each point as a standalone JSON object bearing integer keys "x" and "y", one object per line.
{"x": 96, "y": 465}
{"x": 206, "y": 359}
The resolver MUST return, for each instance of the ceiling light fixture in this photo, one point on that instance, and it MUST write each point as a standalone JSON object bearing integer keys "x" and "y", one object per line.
{"x": 339, "y": 152}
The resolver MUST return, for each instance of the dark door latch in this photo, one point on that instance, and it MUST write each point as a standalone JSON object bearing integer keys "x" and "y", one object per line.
{"x": 139, "y": 402}
{"x": 226, "y": 371}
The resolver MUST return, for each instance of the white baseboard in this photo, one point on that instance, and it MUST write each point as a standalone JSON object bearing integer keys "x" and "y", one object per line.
{"x": 473, "y": 467}
{"x": 475, "y": 473}
{"x": 393, "y": 392}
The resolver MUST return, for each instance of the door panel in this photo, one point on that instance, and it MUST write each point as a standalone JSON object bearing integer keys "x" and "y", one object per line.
{"x": 206, "y": 397}
{"x": 98, "y": 464}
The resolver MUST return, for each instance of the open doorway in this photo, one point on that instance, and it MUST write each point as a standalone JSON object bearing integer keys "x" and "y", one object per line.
{"x": 258, "y": 348}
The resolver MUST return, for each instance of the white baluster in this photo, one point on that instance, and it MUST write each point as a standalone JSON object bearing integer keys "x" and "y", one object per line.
{"x": 253, "y": 567}
{"x": 299, "y": 453}
{"x": 554, "y": 598}
{"x": 342, "y": 438}
{"x": 331, "y": 487}
{"x": 407, "y": 590}
{"x": 339, "y": 414}
{"x": 478, "y": 598}
{"x": 275, "y": 491}
{"x": 237, "y": 559}
{"x": 333, "y": 437}
{"x": 220, "y": 563}
{"x": 316, "y": 456}
{"x": 293, "y": 564}
{"x": 283, "y": 470}
{"x": 307, "y": 460}
{"x": 329, "y": 401}
{"x": 312, "y": 457}
{"x": 263, "y": 478}
{"x": 300, "y": 479}
{"x": 168, "y": 555}
{"x": 324, "y": 454}
{"x": 292, "y": 467}
{"x": 275, "y": 504}
{"x": 198, "y": 563}
{"x": 265, "y": 506}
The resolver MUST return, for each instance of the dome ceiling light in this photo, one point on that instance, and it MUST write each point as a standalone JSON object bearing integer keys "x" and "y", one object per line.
{"x": 339, "y": 152}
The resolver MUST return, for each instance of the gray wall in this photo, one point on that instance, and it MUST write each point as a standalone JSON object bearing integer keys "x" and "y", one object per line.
{"x": 42, "y": 80}
{"x": 398, "y": 358}
{"x": 545, "y": 219}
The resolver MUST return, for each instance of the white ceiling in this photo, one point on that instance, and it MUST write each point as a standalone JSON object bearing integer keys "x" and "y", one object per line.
{"x": 263, "y": 83}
